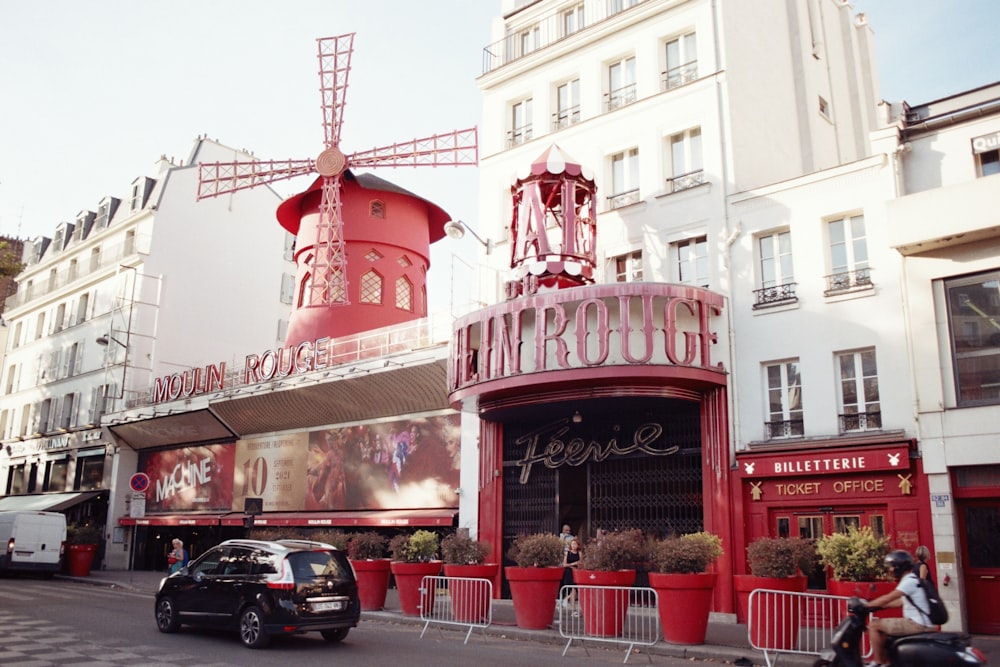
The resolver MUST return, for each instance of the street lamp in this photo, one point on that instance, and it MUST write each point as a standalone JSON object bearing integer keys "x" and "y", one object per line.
{"x": 456, "y": 229}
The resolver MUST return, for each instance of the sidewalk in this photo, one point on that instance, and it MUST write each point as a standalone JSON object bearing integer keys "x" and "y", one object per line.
{"x": 726, "y": 642}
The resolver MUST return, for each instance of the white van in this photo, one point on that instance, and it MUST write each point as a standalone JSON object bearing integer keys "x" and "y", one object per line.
{"x": 32, "y": 541}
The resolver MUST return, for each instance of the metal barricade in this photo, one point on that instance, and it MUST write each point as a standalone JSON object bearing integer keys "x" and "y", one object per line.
{"x": 456, "y": 601}
{"x": 786, "y": 622}
{"x": 613, "y": 614}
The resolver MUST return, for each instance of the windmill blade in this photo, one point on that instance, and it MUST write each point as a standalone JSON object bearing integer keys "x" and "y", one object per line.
{"x": 328, "y": 286}
{"x": 334, "y": 66}
{"x": 457, "y": 148}
{"x": 219, "y": 178}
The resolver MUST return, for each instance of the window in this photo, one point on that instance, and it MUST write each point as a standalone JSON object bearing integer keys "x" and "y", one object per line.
{"x": 60, "y": 320}
{"x": 138, "y": 194}
{"x": 973, "y": 315}
{"x": 287, "y": 288}
{"x": 620, "y": 5}
{"x": 692, "y": 261}
{"x": 567, "y": 104}
{"x": 686, "y": 164}
{"x": 67, "y": 415}
{"x": 783, "y": 388}
{"x": 520, "y": 123}
{"x": 989, "y": 162}
{"x": 55, "y": 475}
{"x": 129, "y": 246}
{"x": 371, "y": 287}
{"x": 848, "y": 255}
{"x": 404, "y": 293}
{"x": 621, "y": 83}
{"x": 824, "y": 108}
{"x": 17, "y": 335}
{"x": 103, "y": 214}
{"x": 628, "y": 267}
{"x": 39, "y": 326}
{"x": 528, "y": 40}
{"x": 376, "y": 209}
{"x": 572, "y": 20}
{"x": 95, "y": 259}
{"x": 777, "y": 283}
{"x": 857, "y": 376}
{"x": 81, "y": 308}
{"x": 681, "y": 60}
{"x": 624, "y": 178}
{"x": 74, "y": 270}
{"x": 15, "y": 479}
{"x": 89, "y": 473}
{"x": 11, "y": 374}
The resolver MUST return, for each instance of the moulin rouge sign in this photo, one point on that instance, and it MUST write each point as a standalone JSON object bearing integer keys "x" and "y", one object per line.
{"x": 621, "y": 324}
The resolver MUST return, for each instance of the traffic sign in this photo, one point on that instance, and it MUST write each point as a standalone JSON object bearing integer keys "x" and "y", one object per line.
{"x": 139, "y": 482}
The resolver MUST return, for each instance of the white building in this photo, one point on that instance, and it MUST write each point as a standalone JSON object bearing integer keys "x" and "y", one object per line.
{"x": 146, "y": 285}
{"x": 945, "y": 225}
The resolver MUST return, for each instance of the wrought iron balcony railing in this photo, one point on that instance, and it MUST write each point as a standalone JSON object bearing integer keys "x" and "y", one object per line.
{"x": 848, "y": 281}
{"x": 775, "y": 295}
{"x": 789, "y": 428}
{"x": 861, "y": 421}
{"x": 686, "y": 181}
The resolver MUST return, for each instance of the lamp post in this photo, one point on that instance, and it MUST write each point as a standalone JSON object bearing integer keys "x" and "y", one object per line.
{"x": 456, "y": 229}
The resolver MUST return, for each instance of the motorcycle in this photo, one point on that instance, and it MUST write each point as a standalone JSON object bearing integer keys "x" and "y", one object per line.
{"x": 927, "y": 649}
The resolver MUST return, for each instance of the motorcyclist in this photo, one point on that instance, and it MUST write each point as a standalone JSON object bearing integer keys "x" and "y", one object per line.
{"x": 907, "y": 594}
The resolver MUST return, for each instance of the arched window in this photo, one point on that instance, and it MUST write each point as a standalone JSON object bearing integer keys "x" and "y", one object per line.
{"x": 404, "y": 293}
{"x": 371, "y": 287}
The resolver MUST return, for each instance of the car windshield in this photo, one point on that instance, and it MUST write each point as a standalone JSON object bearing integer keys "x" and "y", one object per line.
{"x": 311, "y": 564}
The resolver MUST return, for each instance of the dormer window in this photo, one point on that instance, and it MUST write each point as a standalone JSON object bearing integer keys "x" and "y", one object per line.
{"x": 103, "y": 214}
{"x": 140, "y": 191}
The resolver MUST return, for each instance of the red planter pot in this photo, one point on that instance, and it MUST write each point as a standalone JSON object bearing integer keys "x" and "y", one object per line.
{"x": 409, "y": 578}
{"x": 683, "y": 602}
{"x": 470, "y": 600}
{"x": 80, "y": 558}
{"x": 772, "y": 626}
{"x": 534, "y": 591}
{"x": 373, "y": 582}
{"x": 604, "y": 609}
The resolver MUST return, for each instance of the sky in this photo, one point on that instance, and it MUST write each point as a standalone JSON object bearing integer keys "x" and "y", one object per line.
{"x": 93, "y": 93}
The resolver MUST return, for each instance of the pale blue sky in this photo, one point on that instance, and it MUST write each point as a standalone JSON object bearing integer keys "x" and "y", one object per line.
{"x": 94, "y": 92}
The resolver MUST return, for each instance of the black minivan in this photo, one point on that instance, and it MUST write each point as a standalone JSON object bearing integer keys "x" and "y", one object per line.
{"x": 261, "y": 589}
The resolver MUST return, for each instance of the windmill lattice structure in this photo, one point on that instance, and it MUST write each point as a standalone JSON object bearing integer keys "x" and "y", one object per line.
{"x": 328, "y": 285}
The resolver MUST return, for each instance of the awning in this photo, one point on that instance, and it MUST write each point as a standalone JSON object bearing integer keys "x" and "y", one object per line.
{"x": 47, "y": 502}
{"x": 368, "y": 518}
{"x": 172, "y": 520}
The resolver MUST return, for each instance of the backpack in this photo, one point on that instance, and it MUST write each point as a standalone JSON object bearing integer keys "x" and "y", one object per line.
{"x": 938, "y": 613}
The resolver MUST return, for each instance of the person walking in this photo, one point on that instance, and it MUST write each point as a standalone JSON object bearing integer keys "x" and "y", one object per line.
{"x": 178, "y": 557}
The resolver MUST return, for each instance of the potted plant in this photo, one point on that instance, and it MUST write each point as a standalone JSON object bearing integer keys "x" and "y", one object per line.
{"x": 776, "y": 564}
{"x": 535, "y": 579}
{"x": 606, "y": 572}
{"x": 82, "y": 540}
{"x": 683, "y": 585}
{"x": 465, "y": 558}
{"x": 856, "y": 562}
{"x": 412, "y": 560}
{"x": 367, "y": 553}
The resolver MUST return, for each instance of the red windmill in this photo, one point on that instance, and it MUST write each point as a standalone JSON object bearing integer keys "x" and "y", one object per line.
{"x": 321, "y": 249}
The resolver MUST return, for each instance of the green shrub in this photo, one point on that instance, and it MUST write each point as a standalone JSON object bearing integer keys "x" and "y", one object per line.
{"x": 460, "y": 549}
{"x": 419, "y": 547}
{"x": 687, "y": 554}
{"x": 781, "y": 557}
{"x": 857, "y": 555}
{"x": 369, "y": 545}
{"x": 537, "y": 550}
{"x": 615, "y": 550}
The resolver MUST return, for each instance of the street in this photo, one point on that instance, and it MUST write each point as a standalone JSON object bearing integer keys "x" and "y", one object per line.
{"x": 58, "y": 622}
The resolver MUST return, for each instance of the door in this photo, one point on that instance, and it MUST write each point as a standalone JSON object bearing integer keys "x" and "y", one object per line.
{"x": 979, "y": 528}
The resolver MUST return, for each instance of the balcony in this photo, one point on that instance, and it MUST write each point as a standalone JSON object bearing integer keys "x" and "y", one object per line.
{"x": 848, "y": 281}
{"x": 790, "y": 428}
{"x": 860, "y": 421}
{"x": 678, "y": 76}
{"x": 620, "y": 97}
{"x": 623, "y": 199}
{"x": 686, "y": 181}
{"x": 547, "y": 30}
{"x": 518, "y": 136}
{"x": 565, "y": 117}
{"x": 775, "y": 295}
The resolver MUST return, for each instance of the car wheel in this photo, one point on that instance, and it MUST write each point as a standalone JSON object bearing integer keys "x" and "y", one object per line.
{"x": 252, "y": 628}
{"x": 166, "y": 615}
{"x": 335, "y": 636}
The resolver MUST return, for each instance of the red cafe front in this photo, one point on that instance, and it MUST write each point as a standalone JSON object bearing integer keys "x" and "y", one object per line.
{"x": 819, "y": 489}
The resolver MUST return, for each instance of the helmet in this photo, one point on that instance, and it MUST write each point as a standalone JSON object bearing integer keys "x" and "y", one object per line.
{"x": 900, "y": 562}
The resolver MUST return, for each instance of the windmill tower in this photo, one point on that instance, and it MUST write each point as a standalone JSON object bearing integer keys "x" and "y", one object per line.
{"x": 384, "y": 230}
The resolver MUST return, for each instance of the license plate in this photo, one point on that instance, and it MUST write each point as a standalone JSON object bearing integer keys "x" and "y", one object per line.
{"x": 328, "y": 606}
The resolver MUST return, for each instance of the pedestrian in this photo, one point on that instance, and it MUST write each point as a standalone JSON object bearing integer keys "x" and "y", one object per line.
{"x": 908, "y": 594}
{"x": 566, "y": 535}
{"x": 922, "y": 569}
{"x": 571, "y": 561}
{"x": 178, "y": 557}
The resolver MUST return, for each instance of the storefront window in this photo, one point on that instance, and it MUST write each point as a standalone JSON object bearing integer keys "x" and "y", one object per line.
{"x": 974, "y": 324}
{"x": 15, "y": 479}
{"x": 55, "y": 476}
{"x": 89, "y": 473}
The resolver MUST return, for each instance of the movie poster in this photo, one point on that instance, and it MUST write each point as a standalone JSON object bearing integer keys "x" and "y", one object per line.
{"x": 189, "y": 479}
{"x": 273, "y": 469}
